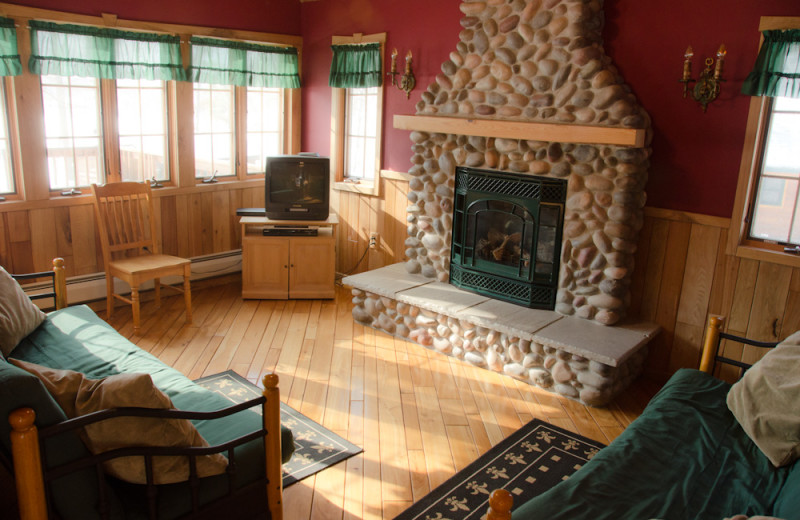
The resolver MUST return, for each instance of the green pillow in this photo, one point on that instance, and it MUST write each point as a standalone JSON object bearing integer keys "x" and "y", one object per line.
{"x": 71, "y": 494}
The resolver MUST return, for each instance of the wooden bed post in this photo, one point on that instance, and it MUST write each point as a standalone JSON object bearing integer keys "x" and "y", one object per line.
{"x": 27, "y": 465}
{"x": 710, "y": 344}
{"x": 272, "y": 446}
{"x": 500, "y": 504}
{"x": 60, "y": 283}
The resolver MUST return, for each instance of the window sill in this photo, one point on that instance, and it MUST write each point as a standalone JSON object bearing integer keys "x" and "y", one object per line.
{"x": 370, "y": 189}
{"x": 767, "y": 255}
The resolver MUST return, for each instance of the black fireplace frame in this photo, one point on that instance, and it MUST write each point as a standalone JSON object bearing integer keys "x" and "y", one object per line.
{"x": 482, "y": 190}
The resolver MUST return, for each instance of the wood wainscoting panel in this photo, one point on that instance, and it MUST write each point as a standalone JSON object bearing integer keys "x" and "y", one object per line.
{"x": 683, "y": 274}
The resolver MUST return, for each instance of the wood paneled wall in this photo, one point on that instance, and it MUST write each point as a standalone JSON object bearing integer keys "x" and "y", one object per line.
{"x": 360, "y": 215}
{"x": 193, "y": 222}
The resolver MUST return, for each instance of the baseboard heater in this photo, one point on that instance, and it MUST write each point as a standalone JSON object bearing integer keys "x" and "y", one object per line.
{"x": 92, "y": 287}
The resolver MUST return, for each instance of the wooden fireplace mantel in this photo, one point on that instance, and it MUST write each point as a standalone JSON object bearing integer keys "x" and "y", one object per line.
{"x": 550, "y": 132}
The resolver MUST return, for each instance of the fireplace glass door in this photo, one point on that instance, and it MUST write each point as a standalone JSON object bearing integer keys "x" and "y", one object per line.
{"x": 507, "y": 236}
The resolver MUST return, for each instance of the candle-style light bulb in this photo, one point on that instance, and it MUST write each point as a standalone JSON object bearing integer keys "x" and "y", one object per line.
{"x": 408, "y": 62}
{"x": 394, "y": 60}
{"x": 720, "y": 59}
{"x": 687, "y": 63}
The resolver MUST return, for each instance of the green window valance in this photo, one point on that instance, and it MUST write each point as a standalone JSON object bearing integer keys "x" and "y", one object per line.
{"x": 80, "y": 50}
{"x": 356, "y": 66}
{"x": 9, "y": 56}
{"x": 226, "y": 62}
{"x": 777, "y": 68}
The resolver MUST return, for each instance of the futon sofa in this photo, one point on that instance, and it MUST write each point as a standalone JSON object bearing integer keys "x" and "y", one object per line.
{"x": 702, "y": 449}
{"x": 76, "y": 483}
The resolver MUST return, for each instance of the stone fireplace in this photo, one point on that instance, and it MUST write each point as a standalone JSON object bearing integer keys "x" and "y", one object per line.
{"x": 528, "y": 92}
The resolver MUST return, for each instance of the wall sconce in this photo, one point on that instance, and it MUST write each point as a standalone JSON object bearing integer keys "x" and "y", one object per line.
{"x": 407, "y": 81}
{"x": 707, "y": 88}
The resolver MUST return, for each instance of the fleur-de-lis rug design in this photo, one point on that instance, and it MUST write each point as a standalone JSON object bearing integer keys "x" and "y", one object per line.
{"x": 526, "y": 463}
{"x": 316, "y": 447}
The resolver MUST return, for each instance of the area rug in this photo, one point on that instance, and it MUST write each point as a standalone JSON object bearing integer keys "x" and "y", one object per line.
{"x": 527, "y": 463}
{"x": 316, "y": 447}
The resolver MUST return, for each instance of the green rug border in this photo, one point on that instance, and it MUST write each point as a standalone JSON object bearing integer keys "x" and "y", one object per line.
{"x": 294, "y": 470}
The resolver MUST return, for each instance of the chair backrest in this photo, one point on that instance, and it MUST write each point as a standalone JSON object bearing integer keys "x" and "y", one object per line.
{"x": 123, "y": 211}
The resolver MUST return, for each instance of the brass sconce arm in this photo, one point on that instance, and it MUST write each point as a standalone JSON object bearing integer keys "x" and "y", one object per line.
{"x": 707, "y": 87}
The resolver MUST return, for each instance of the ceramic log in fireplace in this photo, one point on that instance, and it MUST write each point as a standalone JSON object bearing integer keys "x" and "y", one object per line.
{"x": 507, "y": 236}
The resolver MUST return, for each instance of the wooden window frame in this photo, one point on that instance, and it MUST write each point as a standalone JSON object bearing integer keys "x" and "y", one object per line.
{"x": 739, "y": 242}
{"x": 26, "y": 123}
{"x": 339, "y": 119}
{"x": 14, "y": 150}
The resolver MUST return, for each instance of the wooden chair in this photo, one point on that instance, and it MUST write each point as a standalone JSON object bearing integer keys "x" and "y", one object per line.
{"x": 130, "y": 250}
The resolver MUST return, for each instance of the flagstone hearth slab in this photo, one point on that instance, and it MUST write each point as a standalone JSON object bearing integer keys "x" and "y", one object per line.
{"x": 609, "y": 345}
{"x": 440, "y": 297}
{"x": 508, "y": 317}
{"x": 386, "y": 281}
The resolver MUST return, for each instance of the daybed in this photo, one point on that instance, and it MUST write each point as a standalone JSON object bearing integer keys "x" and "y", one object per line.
{"x": 700, "y": 450}
{"x": 76, "y": 484}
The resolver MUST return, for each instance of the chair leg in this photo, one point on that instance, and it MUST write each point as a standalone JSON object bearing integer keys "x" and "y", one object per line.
{"x": 157, "y": 291}
{"x": 135, "y": 304}
{"x": 109, "y": 295}
{"x": 187, "y": 294}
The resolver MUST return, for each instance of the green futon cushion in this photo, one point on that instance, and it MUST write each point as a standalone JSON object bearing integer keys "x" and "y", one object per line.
{"x": 75, "y": 338}
{"x": 684, "y": 457}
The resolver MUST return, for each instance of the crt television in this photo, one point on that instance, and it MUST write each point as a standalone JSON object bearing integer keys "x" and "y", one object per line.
{"x": 297, "y": 187}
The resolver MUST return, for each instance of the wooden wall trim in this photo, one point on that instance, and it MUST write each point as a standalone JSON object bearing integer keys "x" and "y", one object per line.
{"x": 685, "y": 216}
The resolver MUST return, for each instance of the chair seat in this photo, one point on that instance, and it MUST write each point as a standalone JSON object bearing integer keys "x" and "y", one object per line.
{"x": 148, "y": 264}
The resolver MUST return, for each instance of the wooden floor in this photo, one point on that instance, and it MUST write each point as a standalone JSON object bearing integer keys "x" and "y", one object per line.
{"x": 419, "y": 415}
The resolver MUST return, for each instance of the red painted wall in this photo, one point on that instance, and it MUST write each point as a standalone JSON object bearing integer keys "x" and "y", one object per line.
{"x": 696, "y": 156}
{"x": 278, "y": 16}
{"x": 430, "y": 37}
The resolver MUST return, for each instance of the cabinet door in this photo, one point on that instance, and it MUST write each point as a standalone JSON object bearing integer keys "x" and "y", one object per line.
{"x": 265, "y": 267}
{"x": 312, "y": 267}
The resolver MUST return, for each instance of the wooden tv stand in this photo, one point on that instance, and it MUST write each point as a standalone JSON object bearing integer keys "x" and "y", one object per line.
{"x": 288, "y": 267}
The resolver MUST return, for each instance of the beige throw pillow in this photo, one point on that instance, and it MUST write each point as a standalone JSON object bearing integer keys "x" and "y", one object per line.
{"x": 765, "y": 401}
{"x": 78, "y": 395}
{"x": 18, "y": 314}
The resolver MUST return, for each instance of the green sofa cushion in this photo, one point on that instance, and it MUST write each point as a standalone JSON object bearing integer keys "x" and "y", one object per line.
{"x": 75, "y": 338}
{"x": 684, "y": 457}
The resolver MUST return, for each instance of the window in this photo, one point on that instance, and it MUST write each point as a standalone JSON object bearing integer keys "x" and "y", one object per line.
{"x": 142, "y": 125}
{"x": 357, "y": 112}
{"x": 264, "y": 126}
{"x": 7, "y": 184}
{"x": 766, "y": 218}
{"x": 361, "y": 122}
{"x": 73, "y": 131}
{"x": 213, "y": 130}
{"x": 775, "y": 215}
{"x": 114, "y": 101}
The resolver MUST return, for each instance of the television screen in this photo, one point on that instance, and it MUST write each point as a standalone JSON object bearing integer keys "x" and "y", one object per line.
{"x": 297, "y": 187}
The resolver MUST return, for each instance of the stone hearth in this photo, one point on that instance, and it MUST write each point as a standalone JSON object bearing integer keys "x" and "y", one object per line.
{"x": 573, "y": 357}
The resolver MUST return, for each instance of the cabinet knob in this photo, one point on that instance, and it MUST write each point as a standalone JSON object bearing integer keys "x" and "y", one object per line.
{"x": 285, "y": 266}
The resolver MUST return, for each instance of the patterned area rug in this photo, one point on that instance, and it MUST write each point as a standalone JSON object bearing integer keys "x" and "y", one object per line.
{"x": 316, "y": 447}
{"x": 527, "y": 463}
